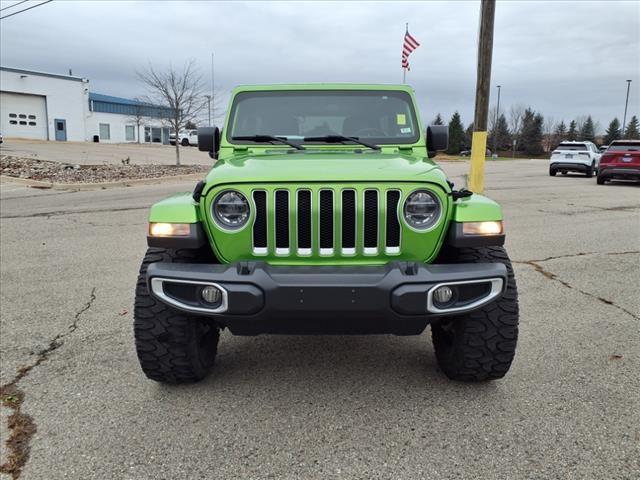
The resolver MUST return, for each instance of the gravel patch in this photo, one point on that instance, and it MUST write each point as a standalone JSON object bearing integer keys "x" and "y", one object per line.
{"x": 57, "y": 172}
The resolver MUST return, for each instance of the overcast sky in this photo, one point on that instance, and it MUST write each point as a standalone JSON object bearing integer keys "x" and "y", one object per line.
{"x": 564, "y": 59}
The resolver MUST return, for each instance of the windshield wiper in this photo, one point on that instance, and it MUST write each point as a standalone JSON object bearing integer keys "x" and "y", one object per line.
{"x": 341, "y": 139}
{"x": 268, "y": 138}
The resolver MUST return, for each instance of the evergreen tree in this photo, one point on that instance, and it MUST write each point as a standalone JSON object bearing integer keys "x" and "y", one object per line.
{"x": 531, "y": 136}
{"x": 588, "y": 131}
{"x": 468, "y": 137}
{"x": 456, "y": 135}
{"x": 613, "y": 132}
{"x": 502, "y": 134}
{"x": 437, "y": 120}
{"x": 572, "y": 134}
{"x": 632, "y": 132}
{"x": 559, "y": 134}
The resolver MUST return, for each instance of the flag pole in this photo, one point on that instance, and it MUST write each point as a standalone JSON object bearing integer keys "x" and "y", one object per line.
{"x": 404, "y": 70}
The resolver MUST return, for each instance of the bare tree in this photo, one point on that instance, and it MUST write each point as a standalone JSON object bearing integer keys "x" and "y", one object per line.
{"x": 548, "y": 132}
{"x": 139, "y": 115}
{"x": 179, "y": 91}
{"x": 516, "y": 115}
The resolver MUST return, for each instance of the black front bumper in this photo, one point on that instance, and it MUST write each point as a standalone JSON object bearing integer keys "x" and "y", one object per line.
{"x": 260, "y": 298}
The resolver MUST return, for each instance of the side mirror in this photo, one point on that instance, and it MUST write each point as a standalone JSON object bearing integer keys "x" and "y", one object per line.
{"x": 437, "y": 139}
{"x": 209, "y": 140}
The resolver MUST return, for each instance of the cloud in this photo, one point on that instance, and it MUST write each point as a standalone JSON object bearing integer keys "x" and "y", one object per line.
{"x": 565, "y": 59}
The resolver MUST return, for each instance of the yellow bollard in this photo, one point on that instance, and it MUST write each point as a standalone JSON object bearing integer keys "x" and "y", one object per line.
{"x": 478, "y": 153}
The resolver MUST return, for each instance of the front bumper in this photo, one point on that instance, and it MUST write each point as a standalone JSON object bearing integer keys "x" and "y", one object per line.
{"x": 261, "y": 298}
{"x": 630, "y": 173}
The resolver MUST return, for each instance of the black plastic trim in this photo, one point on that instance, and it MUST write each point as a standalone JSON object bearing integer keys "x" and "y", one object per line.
{"x": 196, "y": 239}
{"x": 456, "y": 238}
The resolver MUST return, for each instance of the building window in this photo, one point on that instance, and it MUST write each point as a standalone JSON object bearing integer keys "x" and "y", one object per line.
{"x": 147, "y": 134}
{"x": 105, "y": 131}
{"x": 129, "y": 133}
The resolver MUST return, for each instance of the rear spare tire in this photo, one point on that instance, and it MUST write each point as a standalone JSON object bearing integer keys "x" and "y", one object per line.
{"x": 479, "y": 345}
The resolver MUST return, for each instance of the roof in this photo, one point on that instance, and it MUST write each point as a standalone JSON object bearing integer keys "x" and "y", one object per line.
{"x": 43, "y": 74}
{"x": 323, "y": 86}
{"x": 99, "y": 97}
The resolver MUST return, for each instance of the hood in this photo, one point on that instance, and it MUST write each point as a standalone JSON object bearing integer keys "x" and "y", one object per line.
{"x": 325, "y": 166}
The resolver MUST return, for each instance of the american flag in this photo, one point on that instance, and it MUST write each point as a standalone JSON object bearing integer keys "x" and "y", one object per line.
{"x": 410, "y": 44}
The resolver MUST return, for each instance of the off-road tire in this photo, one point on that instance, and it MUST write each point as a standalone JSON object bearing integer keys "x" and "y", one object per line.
{"x": 600, "y": 180}
{"x": 480, "y": 345}
{"x": 172, "y": 346}
{"x": 552, "y": 172}
{"x": 185, "y": 142}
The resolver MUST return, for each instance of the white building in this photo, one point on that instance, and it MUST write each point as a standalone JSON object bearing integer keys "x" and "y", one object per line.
{"x": 48, "y": 106}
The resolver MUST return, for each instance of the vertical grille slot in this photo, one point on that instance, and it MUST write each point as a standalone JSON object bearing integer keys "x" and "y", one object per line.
{"x": 371, "y": 221}
{"x": 260, "y": 223}
{"x": 282, "y": 222}
{"x": 326, "y": 222}
{"x": 349, "y": 222}
{"x": 393, "y": 225}
{"x": 304, "y": 222}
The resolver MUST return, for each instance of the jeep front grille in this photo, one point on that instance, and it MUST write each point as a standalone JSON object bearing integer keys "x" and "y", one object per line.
{"x": 327, "y": 222}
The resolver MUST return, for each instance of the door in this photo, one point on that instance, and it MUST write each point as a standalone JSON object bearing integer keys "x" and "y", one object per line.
{"x": 23, "y": 116}
{"x": 61, "y": 129}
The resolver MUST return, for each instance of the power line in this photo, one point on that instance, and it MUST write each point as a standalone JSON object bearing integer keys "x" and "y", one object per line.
{"x": 14, "y": 5}
{"x": 24, "y": 10}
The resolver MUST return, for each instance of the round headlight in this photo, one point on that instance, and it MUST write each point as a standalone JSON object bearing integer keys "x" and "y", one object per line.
{"x": 231, "y": 209}
{"x": 421, "y": 210}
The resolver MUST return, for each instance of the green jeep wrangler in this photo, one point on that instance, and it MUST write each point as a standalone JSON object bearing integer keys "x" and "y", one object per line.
{"x": 323, "y": 214}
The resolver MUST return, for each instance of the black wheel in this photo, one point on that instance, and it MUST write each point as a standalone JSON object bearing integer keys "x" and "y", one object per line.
{"x": 600, "y": 180}
{"x": 480, "y": 345}
{"x": 590, "y": 170}
{"x": 172, "y": 346}
{"x": 552, "y": 172}
{"x": 185, "y": 142}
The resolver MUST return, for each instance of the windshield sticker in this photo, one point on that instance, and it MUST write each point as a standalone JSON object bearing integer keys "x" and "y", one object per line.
{"x": 405, "y": 130}
{"x": 401, "y": 119}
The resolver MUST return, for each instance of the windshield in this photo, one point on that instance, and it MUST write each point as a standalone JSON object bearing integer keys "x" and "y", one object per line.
{"x": 385, "y": 117}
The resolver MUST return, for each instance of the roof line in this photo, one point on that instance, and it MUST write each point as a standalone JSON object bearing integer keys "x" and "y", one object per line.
{"x": 44, "y": 74}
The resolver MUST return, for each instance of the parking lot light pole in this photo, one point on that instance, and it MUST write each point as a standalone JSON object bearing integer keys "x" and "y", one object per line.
{"x": 209, "y": 105}
{"x": 495, "y": 125}
{"x": 626, "y": 103}
{"x": 483, "y": 87}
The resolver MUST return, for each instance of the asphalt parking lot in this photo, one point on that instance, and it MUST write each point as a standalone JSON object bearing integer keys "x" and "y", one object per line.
{"x": 327, "y": 407}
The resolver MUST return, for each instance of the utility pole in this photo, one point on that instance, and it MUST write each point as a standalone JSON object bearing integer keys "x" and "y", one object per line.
{"x": 495, "y": 125}
{"x": 626, "y": 103}
{"x": 483, "y": 86}
{"x": 209, "y": 105}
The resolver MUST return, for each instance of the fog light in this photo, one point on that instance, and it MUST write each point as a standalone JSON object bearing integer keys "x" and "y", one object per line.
{"x": 211, "y": 294}
{"x": 442, "y": 295}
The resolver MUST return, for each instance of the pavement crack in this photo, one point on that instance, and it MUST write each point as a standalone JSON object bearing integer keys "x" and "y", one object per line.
{"x": 552, "y": 276}
{"x": 74, "y": 212}
{"x": 21, "y": 426}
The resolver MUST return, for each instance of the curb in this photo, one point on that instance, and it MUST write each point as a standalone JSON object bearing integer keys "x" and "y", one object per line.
{"x": 101, "y": 185}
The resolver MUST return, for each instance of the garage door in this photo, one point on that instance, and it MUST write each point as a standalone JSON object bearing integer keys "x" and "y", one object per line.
{"x": 23, "y": 116}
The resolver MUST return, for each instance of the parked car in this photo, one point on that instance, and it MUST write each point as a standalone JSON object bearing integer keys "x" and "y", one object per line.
{"x": 620, "y": 161}
{"x": 1, "y": 138}
{"x": 583, "y": 157}
{"x": 338, "y": 231}
{"x": 186, "y": 138}
{"x": 466, "y": 153}
{"x": 603, "y": 148}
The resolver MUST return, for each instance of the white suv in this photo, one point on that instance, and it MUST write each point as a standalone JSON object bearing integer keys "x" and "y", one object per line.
{"x": 583, "y": 157}
{"x": 186, "y": 138}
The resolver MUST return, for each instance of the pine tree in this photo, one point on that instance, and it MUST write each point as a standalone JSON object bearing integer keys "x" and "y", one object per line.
{"x": 588, "y": 131}
{"x": 559, "y": 134}
{"x": 437, "y": 120}
{"x": 456, "y": 135}
{"x": 468, "y": 137}
{"x": 572, "y": 134}
{"x": 632, "y": 132}
{"x": 503, "y": 136}
{"x": 613, "y": 132}
{"x": 531, "y": 136}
